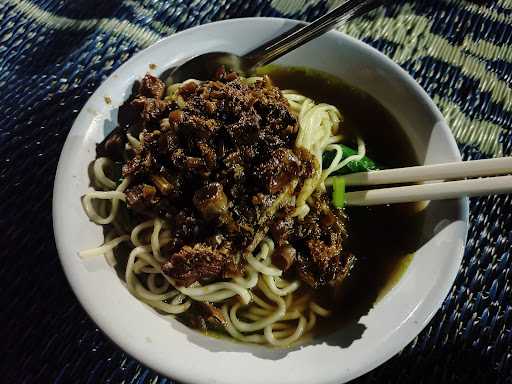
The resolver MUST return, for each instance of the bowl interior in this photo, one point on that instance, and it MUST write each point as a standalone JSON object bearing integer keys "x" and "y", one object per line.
{"x": 181, "y": 353}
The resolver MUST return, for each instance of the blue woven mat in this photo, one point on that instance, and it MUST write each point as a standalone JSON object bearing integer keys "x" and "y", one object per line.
{"x": 54, "y": 54}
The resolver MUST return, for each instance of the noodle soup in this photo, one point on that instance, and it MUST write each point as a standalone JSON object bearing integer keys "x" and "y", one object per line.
{"x": 216, "y": 204}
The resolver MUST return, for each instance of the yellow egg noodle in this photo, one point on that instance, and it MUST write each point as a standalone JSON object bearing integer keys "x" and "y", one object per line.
{"x": 270, "y": 314}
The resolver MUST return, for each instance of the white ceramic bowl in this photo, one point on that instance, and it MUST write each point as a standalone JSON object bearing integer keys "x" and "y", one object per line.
{"x": 181, "y": 353}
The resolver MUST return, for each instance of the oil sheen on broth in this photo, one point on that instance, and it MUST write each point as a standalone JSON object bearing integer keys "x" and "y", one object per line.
{"x": 383, "y": 238}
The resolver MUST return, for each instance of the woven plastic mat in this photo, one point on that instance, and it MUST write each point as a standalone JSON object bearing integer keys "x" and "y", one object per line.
{"x": 54, "y": 54}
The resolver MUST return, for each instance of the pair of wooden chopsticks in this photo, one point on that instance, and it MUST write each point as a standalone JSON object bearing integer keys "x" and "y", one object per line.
{"x": 437, "y": 190}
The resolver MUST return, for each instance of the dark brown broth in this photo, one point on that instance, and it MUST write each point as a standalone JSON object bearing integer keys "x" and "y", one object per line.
{"x": 383, "y": 238}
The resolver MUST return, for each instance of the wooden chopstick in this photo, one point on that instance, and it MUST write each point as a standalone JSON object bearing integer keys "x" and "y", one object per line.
{"x": 432, "y": 191}
{"x": 458, "y": 170}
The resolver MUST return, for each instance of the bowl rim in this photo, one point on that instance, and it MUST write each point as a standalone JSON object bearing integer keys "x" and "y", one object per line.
{"x": 190, "y": 376}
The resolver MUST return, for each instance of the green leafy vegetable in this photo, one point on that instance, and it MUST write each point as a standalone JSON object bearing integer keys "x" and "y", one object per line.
{"x": 338, "y": 191}
{"x": 363, "y": 165}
